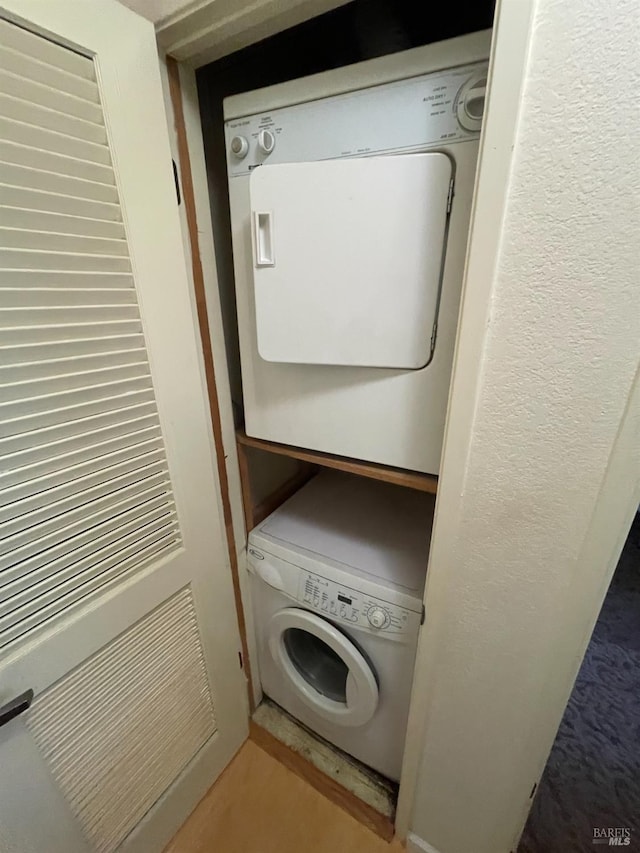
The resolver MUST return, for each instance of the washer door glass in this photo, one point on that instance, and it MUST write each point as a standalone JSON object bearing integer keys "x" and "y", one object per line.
{"x": 317, "y": 663}
{"x": 323, "y": 666}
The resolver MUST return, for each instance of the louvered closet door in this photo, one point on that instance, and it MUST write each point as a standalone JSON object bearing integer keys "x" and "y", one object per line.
{"x": 116, "y": 604}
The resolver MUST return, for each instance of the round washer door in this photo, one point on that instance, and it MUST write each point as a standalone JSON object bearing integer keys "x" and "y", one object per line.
{"x": 327, "y": 671}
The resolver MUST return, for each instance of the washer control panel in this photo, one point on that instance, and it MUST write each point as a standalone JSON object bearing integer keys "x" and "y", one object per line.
{"x": 431, "y": 110}
{"x": 341, "y": 603}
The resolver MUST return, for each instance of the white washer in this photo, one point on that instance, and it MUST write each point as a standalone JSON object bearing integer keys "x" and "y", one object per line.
{"x": 339, "y": 571}
{"x": 350, "y": 199}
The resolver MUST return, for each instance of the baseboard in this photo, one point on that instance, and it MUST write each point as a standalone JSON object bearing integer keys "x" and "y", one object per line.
{"x": 418, "y": 845}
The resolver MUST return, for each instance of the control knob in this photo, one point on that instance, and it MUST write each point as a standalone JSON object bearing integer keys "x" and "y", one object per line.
{"x": 471, "y": 100}
{"x": 377, "y": 617}
{"x": 239, "y": 147}
{"x": 266, "y": 141}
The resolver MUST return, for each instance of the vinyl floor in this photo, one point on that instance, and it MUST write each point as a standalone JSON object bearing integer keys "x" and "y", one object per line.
{"x": 259, "y": 806}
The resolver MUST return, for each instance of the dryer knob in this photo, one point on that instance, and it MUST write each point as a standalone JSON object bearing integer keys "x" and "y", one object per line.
{"x": 377, "y": 617}
{"x": 471, "y": 100}
{"x": 239, "y": 147}
{"x": 266, "y": 141}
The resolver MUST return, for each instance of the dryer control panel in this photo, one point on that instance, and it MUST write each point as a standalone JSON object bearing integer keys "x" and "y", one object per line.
{"x": 414, "y": 114}
{"x": 343, "y": 604}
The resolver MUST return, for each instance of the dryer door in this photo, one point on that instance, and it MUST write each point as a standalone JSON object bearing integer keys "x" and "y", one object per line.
{"x": 348, "y": 258}
{"x": 326, "y": 669}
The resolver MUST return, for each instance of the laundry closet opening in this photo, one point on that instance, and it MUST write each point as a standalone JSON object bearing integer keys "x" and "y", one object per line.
{"x": 341, "y": 156}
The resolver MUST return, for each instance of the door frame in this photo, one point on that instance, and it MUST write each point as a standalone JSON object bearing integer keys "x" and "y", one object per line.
{"x": 617, "y": 501}
{"x": 185, "y": 133}
{"x": 194, "y": 50}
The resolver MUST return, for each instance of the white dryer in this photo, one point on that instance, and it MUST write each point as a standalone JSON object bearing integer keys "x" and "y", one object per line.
{"x": 350, "y": 201}
{"x": 338, "y": 574}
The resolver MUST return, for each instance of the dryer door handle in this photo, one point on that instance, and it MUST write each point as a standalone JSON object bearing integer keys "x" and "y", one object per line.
{"x": 263, "y": 239}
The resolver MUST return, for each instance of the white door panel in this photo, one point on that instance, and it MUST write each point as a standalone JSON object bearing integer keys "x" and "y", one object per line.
{"x": 348, "y": 257}
{"x": 22, "y": 834}
{"x": 116, "y": 602}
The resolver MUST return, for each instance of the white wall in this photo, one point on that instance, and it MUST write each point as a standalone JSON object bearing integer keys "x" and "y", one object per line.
{"x": 542, "y": 456}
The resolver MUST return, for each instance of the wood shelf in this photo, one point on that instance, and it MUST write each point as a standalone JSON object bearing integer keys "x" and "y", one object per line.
{"x": 397, "y": 476}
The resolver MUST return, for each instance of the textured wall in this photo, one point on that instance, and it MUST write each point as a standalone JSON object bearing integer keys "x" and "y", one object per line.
{"x": 507, "y": 610}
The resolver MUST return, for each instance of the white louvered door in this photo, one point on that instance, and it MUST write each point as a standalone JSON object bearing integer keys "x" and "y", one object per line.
{"x": 116, "y": 602}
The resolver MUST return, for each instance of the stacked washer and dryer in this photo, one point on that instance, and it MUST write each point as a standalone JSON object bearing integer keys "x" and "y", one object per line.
{"x": 350, "y": 197}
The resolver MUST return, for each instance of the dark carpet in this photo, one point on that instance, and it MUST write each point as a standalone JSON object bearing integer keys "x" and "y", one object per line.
{"x": 592, "y": 778}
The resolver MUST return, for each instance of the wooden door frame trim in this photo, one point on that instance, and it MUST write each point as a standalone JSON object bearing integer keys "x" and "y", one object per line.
{"x": 188, "y": 197}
